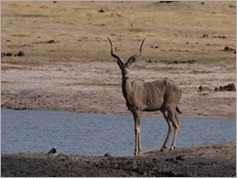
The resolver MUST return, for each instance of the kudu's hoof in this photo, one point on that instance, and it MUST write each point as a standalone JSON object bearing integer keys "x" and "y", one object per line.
{"x": 162, "y": 149}
{"x": 136, "y": 154}
{"x": 172, "y": 148}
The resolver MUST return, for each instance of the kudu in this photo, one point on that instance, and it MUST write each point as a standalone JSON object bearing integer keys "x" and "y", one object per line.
{"x": 163, "y": 95}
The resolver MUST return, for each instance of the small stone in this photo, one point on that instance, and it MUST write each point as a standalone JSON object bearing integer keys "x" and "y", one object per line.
{"x": 108, "y": 154}
{"x": 51, "y": 41}
{"x": 20, "y": 53}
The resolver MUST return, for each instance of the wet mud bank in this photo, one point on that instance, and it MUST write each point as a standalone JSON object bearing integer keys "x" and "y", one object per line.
{"x": 209, "y": 160}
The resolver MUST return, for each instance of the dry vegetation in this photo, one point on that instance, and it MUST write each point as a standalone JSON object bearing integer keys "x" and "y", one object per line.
{"x": 79, "y": 29}
{"x": 67, "y": 64}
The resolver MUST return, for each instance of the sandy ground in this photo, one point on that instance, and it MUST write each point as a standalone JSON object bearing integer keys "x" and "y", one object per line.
{"x": 210, "y": 160}
{"x": 95, "y": 87}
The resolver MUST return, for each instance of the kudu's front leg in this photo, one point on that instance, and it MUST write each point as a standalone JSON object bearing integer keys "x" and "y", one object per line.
{"x": 137, "y": 131}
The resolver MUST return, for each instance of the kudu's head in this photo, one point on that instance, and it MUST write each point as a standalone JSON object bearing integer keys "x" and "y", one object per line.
{"x": 125, "y": 66}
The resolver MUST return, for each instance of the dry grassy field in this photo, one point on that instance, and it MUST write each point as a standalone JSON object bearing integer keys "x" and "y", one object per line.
{"x": 180, "y": 30}
{"x": 66, "y": 62}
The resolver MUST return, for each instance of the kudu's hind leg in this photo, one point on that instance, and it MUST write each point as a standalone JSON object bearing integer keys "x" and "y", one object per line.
{"x": 176, "y": 130}
{"x": 172, "y": 118}
{"x": 170, "y": 128}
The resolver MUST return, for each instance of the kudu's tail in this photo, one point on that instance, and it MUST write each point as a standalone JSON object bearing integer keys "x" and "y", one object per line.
{"x": 178, "y": 110}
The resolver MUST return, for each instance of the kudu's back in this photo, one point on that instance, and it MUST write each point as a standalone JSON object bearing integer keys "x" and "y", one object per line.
{"x": 155, "y": 95}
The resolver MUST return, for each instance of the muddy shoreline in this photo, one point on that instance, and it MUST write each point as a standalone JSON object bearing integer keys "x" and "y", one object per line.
{"x": 210, "y": 160}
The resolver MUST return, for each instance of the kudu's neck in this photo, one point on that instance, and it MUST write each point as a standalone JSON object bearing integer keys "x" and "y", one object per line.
{"x": 126, "y": 86}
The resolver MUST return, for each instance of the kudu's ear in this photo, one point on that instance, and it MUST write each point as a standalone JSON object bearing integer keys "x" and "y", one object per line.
{"x": 119, "y": 60}
{"x": 130, "y": 62}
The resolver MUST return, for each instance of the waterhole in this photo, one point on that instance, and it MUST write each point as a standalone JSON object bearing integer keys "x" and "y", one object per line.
{"x": 30, "y": 131}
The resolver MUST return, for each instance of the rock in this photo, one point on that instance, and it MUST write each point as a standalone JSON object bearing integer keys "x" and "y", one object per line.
{"x": 108, "y": 154}
{"x": 169, "y": 159}
{"x": 103, "y": 9}
{"x": 205, "y": 36}
{"x": 228, "y": 87}
{"x": 202, "y": 88}
{"x": 149, "y": 61}
{"x": 232, "y": 6}
{"x": 180, "y": 157}
{"x": 51, "y": 41}
{"x": 9, "y": 54}
{"x": 226, "y": 48}
{"x": 166, "y": 2}
{"x": 220, "y": 36}
{"x": 190, "y": 61}
{"x": 155, "y": 46}
{"x": 20, "y": 53}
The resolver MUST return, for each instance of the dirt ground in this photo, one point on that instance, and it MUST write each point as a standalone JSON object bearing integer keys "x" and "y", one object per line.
{"x": 95, "y": 87}
{"x": 55, "y": 56}
{"x": 71, "y": 69}
{"x": 210, "y": 160}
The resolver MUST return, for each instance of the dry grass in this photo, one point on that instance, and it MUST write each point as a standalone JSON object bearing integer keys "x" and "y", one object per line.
{"x": 173, "y": 31}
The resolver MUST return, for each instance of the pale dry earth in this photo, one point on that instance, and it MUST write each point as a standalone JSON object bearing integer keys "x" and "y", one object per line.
{"x": 95, "y": 87}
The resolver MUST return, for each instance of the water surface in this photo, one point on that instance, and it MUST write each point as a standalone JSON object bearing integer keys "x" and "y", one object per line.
{"x": 30, "y": 131}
